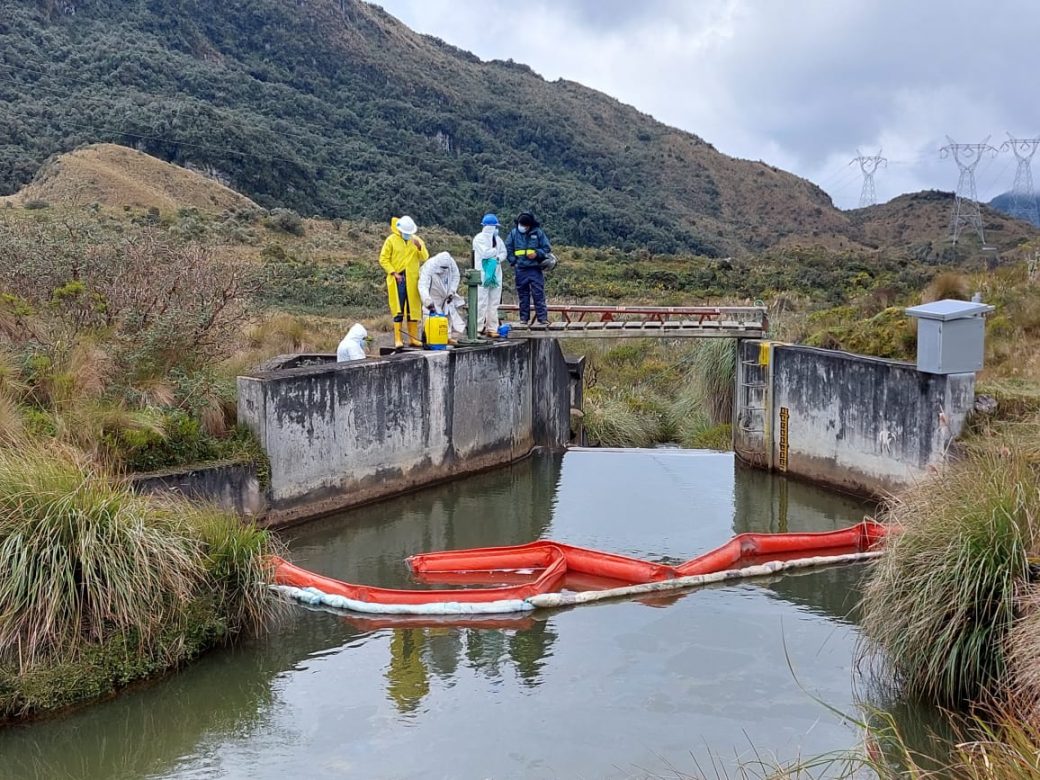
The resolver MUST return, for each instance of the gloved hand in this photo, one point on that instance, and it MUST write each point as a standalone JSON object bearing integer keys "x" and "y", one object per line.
{"x": 431, "y": 309}
{"x": 449, "y": 299}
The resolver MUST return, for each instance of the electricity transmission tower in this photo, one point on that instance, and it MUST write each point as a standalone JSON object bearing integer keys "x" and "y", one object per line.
{"x": 966, "y": 211}
{"x": 1023, "y": 197}
{"x": 868, "y": 164}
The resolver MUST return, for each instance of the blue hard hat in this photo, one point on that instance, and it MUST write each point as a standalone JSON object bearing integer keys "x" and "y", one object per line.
{"x": 489, "y": 219}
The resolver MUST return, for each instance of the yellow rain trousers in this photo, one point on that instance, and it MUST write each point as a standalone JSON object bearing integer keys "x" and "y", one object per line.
{"x": 400, "y": 256}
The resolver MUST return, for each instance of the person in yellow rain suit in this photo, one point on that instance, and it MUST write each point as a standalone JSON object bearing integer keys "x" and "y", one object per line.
{"x": 402, "y": 254}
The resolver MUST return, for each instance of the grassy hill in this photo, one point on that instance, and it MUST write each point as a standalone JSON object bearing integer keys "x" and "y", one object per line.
{"x": 116, "y": 176}
{"x": 334, "y": 108}
{"x": 920, "y": 223}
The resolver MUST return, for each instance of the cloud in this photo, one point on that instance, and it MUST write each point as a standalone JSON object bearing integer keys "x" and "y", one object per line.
{"x": 800, "y": 84}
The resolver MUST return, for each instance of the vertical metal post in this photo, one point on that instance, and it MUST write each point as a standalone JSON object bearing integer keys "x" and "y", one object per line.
{"x": 472, "y": 284}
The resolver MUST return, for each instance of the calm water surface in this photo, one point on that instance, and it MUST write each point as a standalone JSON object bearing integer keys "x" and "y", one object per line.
{"x": 617, "y": 690}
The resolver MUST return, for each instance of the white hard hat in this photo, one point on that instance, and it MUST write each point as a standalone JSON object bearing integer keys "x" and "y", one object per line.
{"x": 407, "y": 225}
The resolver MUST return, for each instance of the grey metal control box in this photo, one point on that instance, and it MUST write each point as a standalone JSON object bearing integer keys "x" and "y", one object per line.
{"x": 951, "y": 336}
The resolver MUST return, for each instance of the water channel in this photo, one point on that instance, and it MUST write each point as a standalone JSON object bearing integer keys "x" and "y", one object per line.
{"x": 617, "y": 690}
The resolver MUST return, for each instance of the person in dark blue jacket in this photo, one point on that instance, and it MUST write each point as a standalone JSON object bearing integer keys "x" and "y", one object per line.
{"x": 526, "y": 247}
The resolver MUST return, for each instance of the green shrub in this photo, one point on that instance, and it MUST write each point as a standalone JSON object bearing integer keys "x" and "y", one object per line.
{"x": 285, "y": 221}
{"x": 36, "y": 205}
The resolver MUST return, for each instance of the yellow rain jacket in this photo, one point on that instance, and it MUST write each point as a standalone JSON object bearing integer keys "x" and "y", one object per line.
{"x": 400, "y": 256}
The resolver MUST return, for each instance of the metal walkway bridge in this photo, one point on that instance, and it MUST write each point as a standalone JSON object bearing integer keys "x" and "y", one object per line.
{"x": 666, "y": 322}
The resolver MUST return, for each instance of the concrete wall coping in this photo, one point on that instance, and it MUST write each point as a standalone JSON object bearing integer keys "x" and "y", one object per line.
{"x": 192, "y": 468}
{"x": 317, "y": 370}
{"x": 849, "y": 356}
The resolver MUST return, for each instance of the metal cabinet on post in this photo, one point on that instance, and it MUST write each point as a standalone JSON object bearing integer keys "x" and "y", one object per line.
{"x": 951, "y": 336}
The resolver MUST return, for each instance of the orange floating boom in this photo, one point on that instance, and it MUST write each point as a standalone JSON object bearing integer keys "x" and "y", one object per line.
{"x": 541, "y": 567}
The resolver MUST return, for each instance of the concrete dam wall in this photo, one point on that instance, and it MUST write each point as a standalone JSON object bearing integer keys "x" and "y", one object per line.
{"x": 862, "y": 424}
{"x": 338, "y": 435}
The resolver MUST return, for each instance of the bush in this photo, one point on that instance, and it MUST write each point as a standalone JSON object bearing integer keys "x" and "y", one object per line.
{"x": 86, "y": 559}
{"x": 285, "y": 221}
{"x": 714, "y": 372}
{"x": 36, "y": 205}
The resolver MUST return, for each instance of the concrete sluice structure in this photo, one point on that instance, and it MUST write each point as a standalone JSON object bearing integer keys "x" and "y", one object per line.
{"x": 547, "y": 574}
{"x": 342, "y": 435}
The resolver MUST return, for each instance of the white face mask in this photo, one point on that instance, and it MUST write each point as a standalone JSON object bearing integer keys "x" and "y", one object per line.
{"x": 522, "y": 228}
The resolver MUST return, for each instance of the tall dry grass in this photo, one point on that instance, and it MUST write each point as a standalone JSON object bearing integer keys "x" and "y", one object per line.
{"x": 641, "y": 393}
{"x": 713, "y": 372}
{"x": 942, "y": 601}
{"x": 611, "y": 420}
{"x": 948, "y": 284}
{"x": 86, "y": 558}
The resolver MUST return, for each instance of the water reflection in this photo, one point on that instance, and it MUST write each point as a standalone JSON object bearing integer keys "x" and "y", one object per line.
{"x": 418, "y": 655}
{"x": 407, "y": 680}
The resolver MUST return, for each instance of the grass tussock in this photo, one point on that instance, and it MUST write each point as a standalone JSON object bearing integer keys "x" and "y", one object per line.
{"x": 713, "y": 371}
{"x": 639, "y": 394}
{"x": 90, "y": 562}
{"x": 612, "y": 421}
{"x": 948, "y": 285}
{"x": 942, "y": 601}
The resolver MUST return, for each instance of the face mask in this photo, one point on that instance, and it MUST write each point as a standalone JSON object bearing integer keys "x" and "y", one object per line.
{"x": 522, "y": 228}
{"x": 406, "y": 236}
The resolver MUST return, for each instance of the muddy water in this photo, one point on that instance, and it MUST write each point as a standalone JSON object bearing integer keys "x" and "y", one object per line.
{"x": 618, "y": 690}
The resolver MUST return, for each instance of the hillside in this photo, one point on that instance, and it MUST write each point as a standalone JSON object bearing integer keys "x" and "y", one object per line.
{"x": 116, "y": 176}
{"x": 333, "y": 107}
{"x": 1005, "y": 204}
{"x": 920, "y": 223}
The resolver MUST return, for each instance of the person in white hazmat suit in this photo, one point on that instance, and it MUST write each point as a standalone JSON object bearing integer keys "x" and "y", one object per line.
{"x": 489, "y": 253}
{"x": 439, "y": 290}
{"x": 353, "y": 345}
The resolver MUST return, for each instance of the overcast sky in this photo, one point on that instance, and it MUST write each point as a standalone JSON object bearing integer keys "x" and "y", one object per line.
{"x": 798, "y": 83}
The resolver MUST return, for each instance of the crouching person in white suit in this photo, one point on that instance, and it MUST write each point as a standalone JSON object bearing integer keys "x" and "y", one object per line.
{"x": 353, "y": 345}
{"x": 439, "y": 290}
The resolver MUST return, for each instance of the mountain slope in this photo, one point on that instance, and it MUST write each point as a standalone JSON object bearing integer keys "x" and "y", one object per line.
{"x": 333, "y": 107}
{"x": 1005, "y": 204}
{"x": 920, "y": 223}
{"x": 117, "y": 176}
